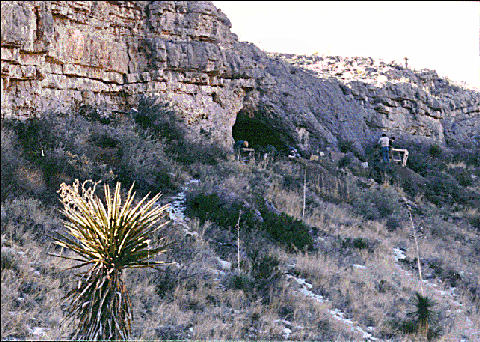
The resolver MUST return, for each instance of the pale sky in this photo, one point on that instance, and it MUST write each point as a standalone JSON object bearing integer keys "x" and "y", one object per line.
{"x": 439, "y": 35}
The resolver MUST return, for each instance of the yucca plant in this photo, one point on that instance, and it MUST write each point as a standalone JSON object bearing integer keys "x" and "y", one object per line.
{"x": 422, "y": 320}
{"x": 106, "y": 239}
{"x": 422, "y": 314}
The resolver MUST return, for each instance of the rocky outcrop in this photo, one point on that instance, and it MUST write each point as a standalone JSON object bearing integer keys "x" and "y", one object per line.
{"x": 57, "y": 55}
{"x": 60, "y": 55}
{"x": 293, "y": 107}
{"x": 415, "y": 103}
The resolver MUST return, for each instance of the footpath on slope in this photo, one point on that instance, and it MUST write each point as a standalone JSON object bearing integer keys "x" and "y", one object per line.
{"x": 176, "y": 213}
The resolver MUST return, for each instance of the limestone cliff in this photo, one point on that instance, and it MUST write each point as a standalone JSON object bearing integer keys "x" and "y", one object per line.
{"x": 59, "y": 55}
{"x": 418, "y": 103}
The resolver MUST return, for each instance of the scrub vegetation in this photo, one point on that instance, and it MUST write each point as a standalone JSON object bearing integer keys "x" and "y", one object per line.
{"x": 276, "y": 248}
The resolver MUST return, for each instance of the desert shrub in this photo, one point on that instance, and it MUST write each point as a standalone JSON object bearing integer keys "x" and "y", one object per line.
{"x": 393, "y": 223}
{"x": 157, "y": 117}
{"x": 435, "y": 151}
{"x": 12, "y": 161}
{"x": 410, "y": 182}
{"x": 36, "y": 134}
{"x": 264, "y": 271}
{"x": 410, "y": 187}
{"x": 470, "y": 157}
{"x": 281, "y": 227}
{"x": 358, "y": 243}
{"x": 130, "y": 155}
{"x": 104, "y": 140}
{"x": 189, "y": 153}
{"x": 65, "y": 147}
{"x": 171, "y": 333}
{"x": 165, "y": 282}
{"x": 474, "y": 220}
{"x": 286, "y": 312}
{"x": 240, "y": 281}
{"x": 444, "y": 272}
{"x": 345, "y": 161}
{"x": 8, "y": 259}
{"x": 424, "y": 160}
{"x": 144, "y": 162}
{"x": 374, "y": 204}
{"x": 93, "y": 114}
{"x": 161, "y": 121}
{"x": 210, "y": 207}
{"x": 292, "y": 183}
{"x": 287, "y": 230}
{"x": 373, "y": 151}
{"x": 443, "y": 189}
{"x": 376, "y": 171}
{"x": 24, "y": 218}
{"x": 462, "y": 176}
{"x": 346, "y": 146}
{"x": 45, "y": 145}
{"x": 264, "y": 268}
{"x": 38, "y": 144}
{"x": 419, "y": 163}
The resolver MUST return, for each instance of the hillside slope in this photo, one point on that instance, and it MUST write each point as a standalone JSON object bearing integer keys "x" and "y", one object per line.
{"x": 262, "y": 248}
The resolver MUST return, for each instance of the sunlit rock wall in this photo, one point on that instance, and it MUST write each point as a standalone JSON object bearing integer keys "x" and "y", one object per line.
{"x": 58, "y": 55}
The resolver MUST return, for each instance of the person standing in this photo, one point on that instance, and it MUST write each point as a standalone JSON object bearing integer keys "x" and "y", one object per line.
{"x": 391, "y": 146}
{"x": 384, "y": 142}
{"x": 237, "y": 148}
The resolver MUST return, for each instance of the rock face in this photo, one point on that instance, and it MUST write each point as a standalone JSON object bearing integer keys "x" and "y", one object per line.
{"x": 57, "y": 55}
{"x": 290, "y": 106}
{"x": 408, "y": 102}
{"x": 60, "y": 55}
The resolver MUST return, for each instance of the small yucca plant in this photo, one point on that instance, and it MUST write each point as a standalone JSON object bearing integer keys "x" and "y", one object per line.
{"x": 421, "y": 319}
{"x": 106, "y": 238}
{"x": 423, "y": 313}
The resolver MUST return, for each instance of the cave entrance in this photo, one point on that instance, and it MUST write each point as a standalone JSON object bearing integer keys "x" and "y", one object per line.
{"x": 258, "y": 134}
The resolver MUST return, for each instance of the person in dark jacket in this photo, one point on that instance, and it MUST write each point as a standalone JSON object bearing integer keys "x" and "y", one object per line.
{"x": 237, "y": 146}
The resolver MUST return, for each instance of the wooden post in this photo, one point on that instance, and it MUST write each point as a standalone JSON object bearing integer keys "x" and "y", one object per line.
{"x": 418, "y": 251}
{"x": 238, "y": 240}
{"x": 346, "y": 189}
{"x": 304, "y": 192}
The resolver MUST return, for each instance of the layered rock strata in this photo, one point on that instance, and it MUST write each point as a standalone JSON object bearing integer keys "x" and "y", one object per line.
{"x": 57, "y": 55}
{"x": 60, "y": 55}
{"x": 419, "y": 103}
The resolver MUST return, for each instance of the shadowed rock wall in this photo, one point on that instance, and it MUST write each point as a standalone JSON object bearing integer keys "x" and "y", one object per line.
{"x": 417, "y": 103}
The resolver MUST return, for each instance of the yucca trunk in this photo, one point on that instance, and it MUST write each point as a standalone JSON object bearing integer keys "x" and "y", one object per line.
{"x": 102, "y": 302}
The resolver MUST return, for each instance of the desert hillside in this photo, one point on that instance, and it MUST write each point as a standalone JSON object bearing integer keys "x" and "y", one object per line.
{"x": 306, "y": 234}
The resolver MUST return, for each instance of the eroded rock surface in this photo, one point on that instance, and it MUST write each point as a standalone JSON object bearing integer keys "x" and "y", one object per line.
{"x": 60, "y": 55}
{"x": 57, "y": 55}
{"x": 405, "y": 101}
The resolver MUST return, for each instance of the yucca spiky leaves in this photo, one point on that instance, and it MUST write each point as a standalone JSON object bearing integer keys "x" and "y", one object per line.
{"x": 423, "y": 313}
{"x": 106, "y": 239}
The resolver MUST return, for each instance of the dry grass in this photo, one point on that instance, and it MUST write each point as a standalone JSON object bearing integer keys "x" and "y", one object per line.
{"x": 201, "y": 305}
{"x": 31, "y": 294}
{"x": 366, "y": 303}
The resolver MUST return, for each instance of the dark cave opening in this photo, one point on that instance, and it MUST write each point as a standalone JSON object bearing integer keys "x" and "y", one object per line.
{"x": 258, "y": 134}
